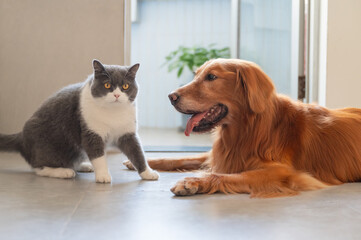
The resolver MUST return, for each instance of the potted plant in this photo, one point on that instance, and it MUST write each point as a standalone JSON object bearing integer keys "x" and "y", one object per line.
{"x": 192, "y": 58}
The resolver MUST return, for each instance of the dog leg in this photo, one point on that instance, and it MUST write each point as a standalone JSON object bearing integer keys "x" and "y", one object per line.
{"x": 173, "y": 164}
{"x": 263, "y": 183}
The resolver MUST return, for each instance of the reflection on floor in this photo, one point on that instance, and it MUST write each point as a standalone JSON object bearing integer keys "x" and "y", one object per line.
{"x": 33, "y": 207}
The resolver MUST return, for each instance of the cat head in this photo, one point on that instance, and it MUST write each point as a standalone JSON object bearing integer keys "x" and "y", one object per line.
{"x": 113, "y": 83}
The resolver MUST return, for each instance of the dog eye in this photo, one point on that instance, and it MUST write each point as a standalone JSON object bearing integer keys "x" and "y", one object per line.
{"x": 211, "y": 77}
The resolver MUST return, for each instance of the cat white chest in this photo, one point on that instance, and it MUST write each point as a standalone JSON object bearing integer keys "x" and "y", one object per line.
{"x": 109, "y": 121}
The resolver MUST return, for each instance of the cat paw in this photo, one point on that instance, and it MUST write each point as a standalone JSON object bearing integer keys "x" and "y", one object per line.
{"x": 55, "y": 172}
{"x": 129, "y": 165}
{"x": 186, "y": 187}
{"x": 85, "y": 167}
{"x": 68, "y": 173}
{"x": 103, "y": 178}
{"x": 149, "y": 174}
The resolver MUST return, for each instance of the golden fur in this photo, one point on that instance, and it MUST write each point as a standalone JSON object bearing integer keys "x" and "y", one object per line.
{"x": 268, "y": 145}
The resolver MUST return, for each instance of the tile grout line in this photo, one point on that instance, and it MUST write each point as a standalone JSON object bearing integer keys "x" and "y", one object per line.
{"x": 72, "y": 214}
{"x": 354, "y": 209}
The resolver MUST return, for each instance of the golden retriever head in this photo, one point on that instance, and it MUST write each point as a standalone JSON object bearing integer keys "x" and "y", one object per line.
{"x": 222, "y": 91}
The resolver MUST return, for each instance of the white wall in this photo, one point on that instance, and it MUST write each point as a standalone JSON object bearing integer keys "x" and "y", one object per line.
{"x": 343, "y": 67}
{"x": 46, "y": 45}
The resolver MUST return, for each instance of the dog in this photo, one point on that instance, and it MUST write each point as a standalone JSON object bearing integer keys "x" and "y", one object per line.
{"x": 266, "y": 144}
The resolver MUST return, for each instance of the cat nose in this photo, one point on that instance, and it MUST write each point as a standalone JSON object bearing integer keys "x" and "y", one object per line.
{"x": 116, "y": 95}
{"x": 174, "y": 98}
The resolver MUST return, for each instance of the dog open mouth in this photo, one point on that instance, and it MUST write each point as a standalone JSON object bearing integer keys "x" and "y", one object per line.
{"x": 206, "y": 121}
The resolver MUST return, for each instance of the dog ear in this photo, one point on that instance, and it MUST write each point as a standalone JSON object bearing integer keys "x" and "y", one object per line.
{"x": 258, "y": 87}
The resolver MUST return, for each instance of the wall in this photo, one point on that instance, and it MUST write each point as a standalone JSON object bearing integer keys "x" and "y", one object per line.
{"x": 162, "y": 27}
{"x": 343, "y": 75}
{"x": 45, "y": 45}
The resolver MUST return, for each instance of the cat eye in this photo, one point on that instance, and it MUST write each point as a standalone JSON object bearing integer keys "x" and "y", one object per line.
{"x": 211, "y": 77}
{"x": 125, "y": 86}
{"x": 107, "y": 85}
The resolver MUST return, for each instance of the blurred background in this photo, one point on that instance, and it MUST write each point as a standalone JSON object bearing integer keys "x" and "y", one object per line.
{"x": 309, "y": 48}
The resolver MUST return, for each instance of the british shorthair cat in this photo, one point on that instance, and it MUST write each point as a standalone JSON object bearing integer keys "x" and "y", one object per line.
{"x": 69, "y": 132}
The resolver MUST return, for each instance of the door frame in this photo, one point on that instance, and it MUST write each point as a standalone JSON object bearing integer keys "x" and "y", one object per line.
{"x": 127, "y": 31}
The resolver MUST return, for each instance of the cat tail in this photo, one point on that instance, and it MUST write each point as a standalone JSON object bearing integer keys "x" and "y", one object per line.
{"x": 11, "y": 143}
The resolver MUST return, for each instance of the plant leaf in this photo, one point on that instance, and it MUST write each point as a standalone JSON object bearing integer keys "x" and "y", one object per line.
{"x": 174, "y": 65}
{"x": 193, "y": 57}
{"x": 180, "y": 70}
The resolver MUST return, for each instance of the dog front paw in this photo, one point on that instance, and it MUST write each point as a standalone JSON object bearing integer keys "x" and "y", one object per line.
{"x": 149, "y": 174}
{"x": 103, "y": 177}
{"x": 188, "y": 186}
{"x": 129, "y": 165}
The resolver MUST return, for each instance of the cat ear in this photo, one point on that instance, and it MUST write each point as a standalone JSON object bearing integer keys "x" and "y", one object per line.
{"x": 98, "y": 66}
{"x": 133, "y": 70}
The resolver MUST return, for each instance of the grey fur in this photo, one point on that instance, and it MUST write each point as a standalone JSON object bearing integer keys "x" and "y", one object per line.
{"x": 51, "y": 137}
{"x": 116, "y": 76}
{"x": 10, "y": 143}
{"x": 93, "y": 144}
{"x": 57, "y": 136}
{"x": 130, "y": 145}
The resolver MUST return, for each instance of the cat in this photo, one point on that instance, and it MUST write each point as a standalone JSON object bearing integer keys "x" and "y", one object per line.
{"x": 69, "y": 132}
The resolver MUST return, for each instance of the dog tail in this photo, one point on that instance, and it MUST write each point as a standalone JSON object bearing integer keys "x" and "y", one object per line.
{"x": 11, "y": 143}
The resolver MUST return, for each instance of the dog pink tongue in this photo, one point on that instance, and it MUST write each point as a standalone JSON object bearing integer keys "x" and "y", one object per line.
{"x": 193, "y": 121}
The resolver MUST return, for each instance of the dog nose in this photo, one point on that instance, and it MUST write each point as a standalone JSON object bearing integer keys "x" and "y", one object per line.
{"x": 174, "y": 98}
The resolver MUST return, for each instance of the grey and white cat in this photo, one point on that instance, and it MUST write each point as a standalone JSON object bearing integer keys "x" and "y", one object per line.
{"x": 74, "y": 126}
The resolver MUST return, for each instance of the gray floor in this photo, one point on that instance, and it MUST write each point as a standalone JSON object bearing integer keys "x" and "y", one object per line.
{"x": 34, "y": 207}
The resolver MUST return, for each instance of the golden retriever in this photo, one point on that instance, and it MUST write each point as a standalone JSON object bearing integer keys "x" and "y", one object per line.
{"x": 266, "y": 144}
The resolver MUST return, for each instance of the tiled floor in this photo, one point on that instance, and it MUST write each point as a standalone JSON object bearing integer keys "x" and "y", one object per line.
{"x": 34, "y": 207}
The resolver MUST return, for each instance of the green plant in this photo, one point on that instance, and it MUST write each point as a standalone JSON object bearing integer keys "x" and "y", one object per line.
{"x": 193, "y": 57}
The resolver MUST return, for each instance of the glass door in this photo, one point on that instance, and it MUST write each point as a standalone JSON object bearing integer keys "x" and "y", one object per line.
{"x": 271, "y": 35}
{"x": 262, "y": 31}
